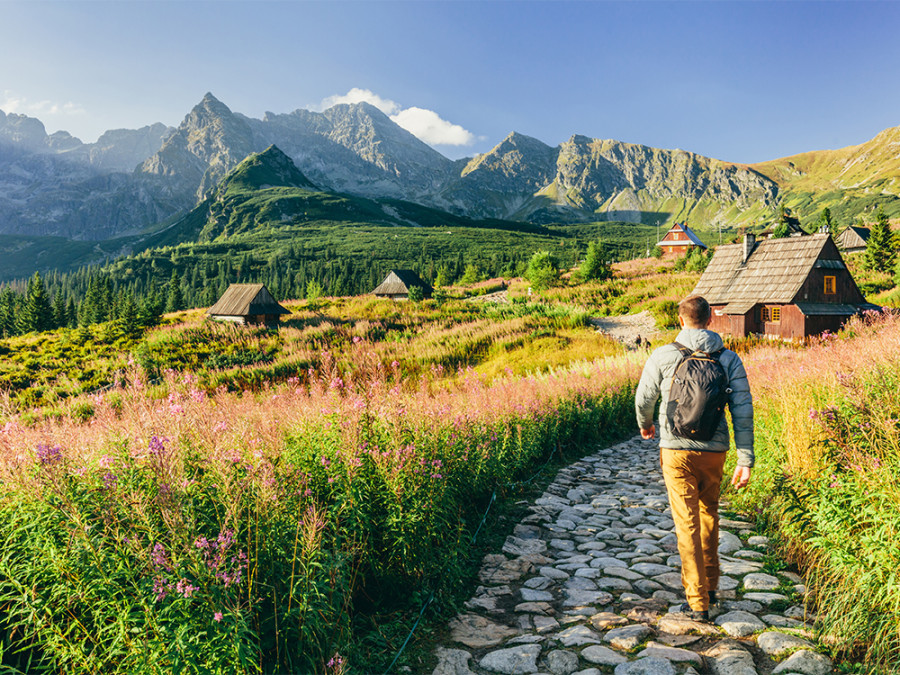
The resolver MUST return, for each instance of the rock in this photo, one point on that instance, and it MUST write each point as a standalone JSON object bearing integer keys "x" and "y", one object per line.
{"x": 734, "y": 661}
{"x": 562, "y": 662}
{"x": 740, "y": 624}
{"x": 742, "y": 606}
{"x": 578, "y": 635}
{"x": 747, "y": 554}
{"x": 535, "y": 608}
{"x": 562, "y": 544}
{"x": 797, "y": 612}
{"x": 489, "y": 604}
{"x": 764, "y": 598}
{"x": 531, "y": 595}
{"x": 623, "y": 572}
{"x": 580, "y": 583}
{"x": 643, "y": 614}
{"x": 604, "y": 620}
{"x": 516, "y": 546}
{"x": 734, "y": 524}
{"x": 613, "y": 584}
{"x": 774, "y": 643}
{"x": 670, "y": 580}
{"x": 452, "y": 662}
{"x": 527, "y": 531}
{"x": 727, "y": 583}
{"x": 757, "y": 581}
{"x": 650, "y": 570}
{"x": 651, "y": 665}
{"x": 729, "y": 543}
{"x": 576, "y": 598}
{"x": 671, "y": 654}
{"x": 806, "y": 662}
{"x": 589, "y": 671}
{"x": 782, "y": 621}
{"x": 647, "y": 586}
{"x": 758, "y": 540}
{"x": 553, "y": 573}
{"x": 544, "y": 624}
{"x": 678, "y": 640}
{"x": 476, "y": 631}
{"x": 738, "y": 567}
{"x": 628, "y": 637}
{"x": 538, "y": 583}
{"x": 603, "y": 656}
{"x": 516, "y": 660}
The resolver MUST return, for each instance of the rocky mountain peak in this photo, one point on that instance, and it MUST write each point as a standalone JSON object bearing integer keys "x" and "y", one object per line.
{"x": 266, "y": 169}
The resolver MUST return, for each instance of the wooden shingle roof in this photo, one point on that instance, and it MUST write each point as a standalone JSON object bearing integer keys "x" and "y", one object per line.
{"x": 682, "y": 228}
{"x": 774, "y": 271}
{"x": 398, "y": 282}
{"x": 853, "y": 237}
{"x": 246, "y": 300}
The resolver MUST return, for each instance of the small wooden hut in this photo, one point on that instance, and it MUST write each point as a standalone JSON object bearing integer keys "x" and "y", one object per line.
{"x": 791, "y": 287}
{"x": 679, "y": 240}
{"x": 247, "y": 304}
{"x": 853, "y": 239}
{"x": 397, "y": 283}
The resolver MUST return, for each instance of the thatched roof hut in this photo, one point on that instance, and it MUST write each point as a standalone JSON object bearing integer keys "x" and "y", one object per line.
{"x": 247, "y": 303}
{"x": 397, "y": 283}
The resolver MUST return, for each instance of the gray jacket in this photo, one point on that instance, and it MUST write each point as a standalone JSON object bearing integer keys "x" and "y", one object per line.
{"x": 656, "y": 381}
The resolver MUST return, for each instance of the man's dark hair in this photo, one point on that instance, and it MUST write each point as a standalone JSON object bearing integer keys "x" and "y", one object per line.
{"x": 694, "y": 309}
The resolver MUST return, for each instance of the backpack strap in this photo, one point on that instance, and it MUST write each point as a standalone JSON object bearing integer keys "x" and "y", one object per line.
{"x": 685, "y": 351}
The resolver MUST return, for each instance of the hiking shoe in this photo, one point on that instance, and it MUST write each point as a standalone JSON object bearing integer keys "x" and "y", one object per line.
{"x": 713, "y": 598}
{"x": 693, "y": 614}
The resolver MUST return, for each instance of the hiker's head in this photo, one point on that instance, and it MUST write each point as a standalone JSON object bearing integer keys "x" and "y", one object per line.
{"x": 693, "y": 312}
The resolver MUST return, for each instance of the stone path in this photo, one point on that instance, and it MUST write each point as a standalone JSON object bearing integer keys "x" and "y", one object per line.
{"x": 627, "y": 327}
{"x": 587, "y": 583}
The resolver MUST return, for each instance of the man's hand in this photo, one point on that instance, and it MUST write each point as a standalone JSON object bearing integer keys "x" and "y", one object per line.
{"x": 648, "y": 434}
{"x": 741, "y": 476}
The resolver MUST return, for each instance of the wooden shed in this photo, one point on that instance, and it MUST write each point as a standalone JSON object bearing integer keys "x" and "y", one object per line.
{"x": 679, "y": 240}
{"x": 792, "y": 287}
{"x": 853, "y": 239}
{"x": 247, "y": 304}
{"x": 397, "y": 283}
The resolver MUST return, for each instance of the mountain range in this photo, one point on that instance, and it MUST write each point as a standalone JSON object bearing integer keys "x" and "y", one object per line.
{"x": 131, "y": 183}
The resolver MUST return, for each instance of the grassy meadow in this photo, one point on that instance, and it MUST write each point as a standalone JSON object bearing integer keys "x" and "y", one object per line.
{"x": 205, "y": 498}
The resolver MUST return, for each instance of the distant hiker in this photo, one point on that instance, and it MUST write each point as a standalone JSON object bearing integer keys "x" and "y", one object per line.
{"x": 694, "y": 438}
{"x": 638, "y": 343}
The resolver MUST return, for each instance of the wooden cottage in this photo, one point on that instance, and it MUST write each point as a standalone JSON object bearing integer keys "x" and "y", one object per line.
{"x": 792, "y": 287}
{"x": 247, "y": 304}
{"x": 397, "y": 283}
{"x": 679, "y": 240}
{"x": 853, "y": 239}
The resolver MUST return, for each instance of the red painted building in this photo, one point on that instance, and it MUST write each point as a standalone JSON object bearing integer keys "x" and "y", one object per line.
{"x": 679, "y": 240}
{"x": 792, "y": 287}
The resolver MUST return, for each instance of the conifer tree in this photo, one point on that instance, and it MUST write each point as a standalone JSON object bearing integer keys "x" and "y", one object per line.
{"x": 36, "y": 313}
{"x": 175, "y": 298}
{"x": 594, "y": 265}
{"x": 881, "y": 248}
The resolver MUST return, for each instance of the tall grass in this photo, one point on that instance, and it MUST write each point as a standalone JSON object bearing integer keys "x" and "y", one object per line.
{"x": 174, "y": 529}
{"x": 828, "y": 477}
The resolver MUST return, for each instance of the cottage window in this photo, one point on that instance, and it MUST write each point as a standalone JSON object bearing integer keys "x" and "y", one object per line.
{"x": 770, "y": 314}
{"x": 830, "y": 285}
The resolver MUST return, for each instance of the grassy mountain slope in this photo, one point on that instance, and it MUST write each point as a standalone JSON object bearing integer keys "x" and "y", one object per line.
{"x": 851, "y": 181}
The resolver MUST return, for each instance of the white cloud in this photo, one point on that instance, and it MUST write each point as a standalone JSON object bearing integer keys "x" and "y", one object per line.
{"x": 19, "y": 104}
{"x": 426, "y": 125}
{"x": 357, "y": 95}
{"x": 429, "y": 127}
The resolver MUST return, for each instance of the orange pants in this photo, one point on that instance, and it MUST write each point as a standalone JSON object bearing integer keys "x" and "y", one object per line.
{"x": 693, "y": 479}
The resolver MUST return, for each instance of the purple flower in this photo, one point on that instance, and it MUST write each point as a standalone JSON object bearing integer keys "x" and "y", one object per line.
{"x": 110, "y": 480}
{"x": 185, "y": 588}
{"x": 159, "y": 557}
{"x": 48, "y": 456}
{"x": 217, "y": 616}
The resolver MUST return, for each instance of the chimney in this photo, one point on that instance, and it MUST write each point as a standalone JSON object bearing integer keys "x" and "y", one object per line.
{"x": 749, "y": 245}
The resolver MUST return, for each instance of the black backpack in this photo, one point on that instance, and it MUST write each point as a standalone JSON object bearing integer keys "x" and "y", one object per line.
{"x": 698, "y": 395}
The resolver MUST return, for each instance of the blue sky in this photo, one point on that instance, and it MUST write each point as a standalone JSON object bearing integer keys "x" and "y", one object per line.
{"x": 739, "y": 81}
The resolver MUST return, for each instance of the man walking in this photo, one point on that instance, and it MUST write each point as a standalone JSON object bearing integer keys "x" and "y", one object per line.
{"x": 693, "y": 468}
